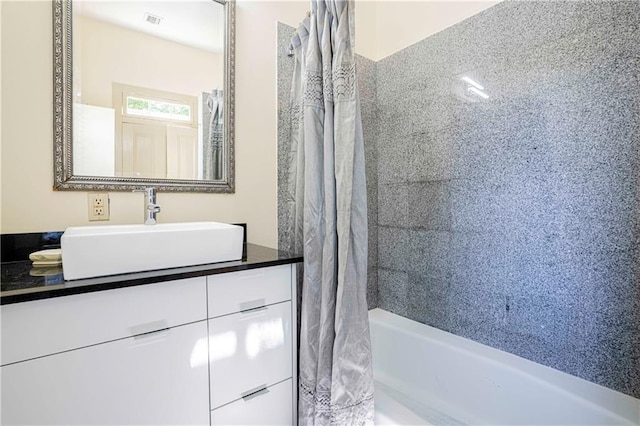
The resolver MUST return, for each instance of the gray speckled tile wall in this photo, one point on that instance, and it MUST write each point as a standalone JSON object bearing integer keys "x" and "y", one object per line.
{"x": 366, "y": 76}
{"x": 515, "y": 220}
{"x": 285, "y": 75}
{"x": 367, "y": 88}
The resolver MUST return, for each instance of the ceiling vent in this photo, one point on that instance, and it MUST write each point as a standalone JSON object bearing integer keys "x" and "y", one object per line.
{"x": 152, "y": 19}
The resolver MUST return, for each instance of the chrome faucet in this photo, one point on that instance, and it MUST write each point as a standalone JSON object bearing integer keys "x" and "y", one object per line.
{"x": 150, "y": 206}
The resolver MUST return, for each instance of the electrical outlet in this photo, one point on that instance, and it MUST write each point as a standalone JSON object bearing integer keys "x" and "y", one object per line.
{"x": 98, "y": 206}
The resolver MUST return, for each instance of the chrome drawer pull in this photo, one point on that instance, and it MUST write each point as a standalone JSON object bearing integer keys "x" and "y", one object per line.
{"x": 249, "y": 276}
{"x": 151, "y": 333}
{"x": 149, "y": 328}
{"x": 260, "y": 390}
{"x": 253, "y": 305}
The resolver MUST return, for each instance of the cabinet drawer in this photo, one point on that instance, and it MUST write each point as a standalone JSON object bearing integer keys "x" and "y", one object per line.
{"x": 270, "y": 407}
{"x": 154, "y": 379}
{"x": 249, "y": 350}
{"x": 238, "y": 291}
{"x": 44, "y": 327}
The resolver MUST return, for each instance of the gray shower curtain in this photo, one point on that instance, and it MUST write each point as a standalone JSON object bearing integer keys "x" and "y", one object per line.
{"x": 328, "y": 207}
{"x": 213, "y": 146}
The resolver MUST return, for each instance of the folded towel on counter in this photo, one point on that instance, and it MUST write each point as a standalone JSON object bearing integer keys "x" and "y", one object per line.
{"x": 43, "y": 271}
{"x": 49, "y": 257}
{"x": 45, "y": 263}
{"x": 51, "y": 254}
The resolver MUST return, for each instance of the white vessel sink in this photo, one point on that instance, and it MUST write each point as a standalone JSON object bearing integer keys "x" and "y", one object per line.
{"x": 94, "y": 251}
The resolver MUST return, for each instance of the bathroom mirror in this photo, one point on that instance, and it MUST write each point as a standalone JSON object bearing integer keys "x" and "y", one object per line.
{"x": 144, "y": 95}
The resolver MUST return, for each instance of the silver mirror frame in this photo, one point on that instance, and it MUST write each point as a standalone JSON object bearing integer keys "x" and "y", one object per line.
{"x": 63, "y": 177}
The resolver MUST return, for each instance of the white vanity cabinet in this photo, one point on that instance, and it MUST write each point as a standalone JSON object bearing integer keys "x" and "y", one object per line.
{"x": 252, "y": 347}
{"x": 215, "y": 350}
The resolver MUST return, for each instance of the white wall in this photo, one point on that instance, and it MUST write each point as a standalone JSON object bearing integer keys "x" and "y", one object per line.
{"x": 366, "y": 28}
{"x": 401, "y": 23}
{"x": 1, "y": 94}
{"x": 114, "y": 54}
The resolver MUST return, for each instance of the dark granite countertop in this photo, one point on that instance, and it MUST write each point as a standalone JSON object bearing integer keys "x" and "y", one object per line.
{"x": 20, "y": 282}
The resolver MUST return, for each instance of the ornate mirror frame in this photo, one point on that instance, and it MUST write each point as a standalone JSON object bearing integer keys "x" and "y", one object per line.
{"x": 63, "y": 176}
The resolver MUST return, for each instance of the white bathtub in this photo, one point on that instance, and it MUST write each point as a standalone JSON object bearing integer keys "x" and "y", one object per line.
{"x": 428, "y": 376}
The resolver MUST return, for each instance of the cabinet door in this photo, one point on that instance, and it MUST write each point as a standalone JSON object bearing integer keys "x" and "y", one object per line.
{"x": 158, "y": 378}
